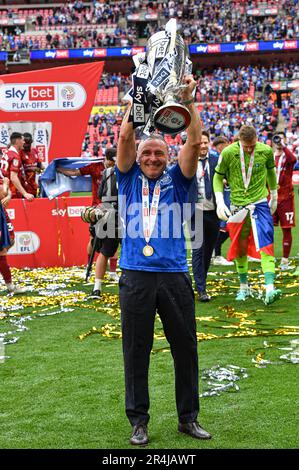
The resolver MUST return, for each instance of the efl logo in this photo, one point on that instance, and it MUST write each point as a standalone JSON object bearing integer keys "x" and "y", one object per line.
{"x": 25, "y": 243}
{"x": 41, "y": 93}
{"x": 75, "y": 211}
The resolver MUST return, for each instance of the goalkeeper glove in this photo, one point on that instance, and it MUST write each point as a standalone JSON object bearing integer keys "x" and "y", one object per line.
{"x": 223, "y": 211}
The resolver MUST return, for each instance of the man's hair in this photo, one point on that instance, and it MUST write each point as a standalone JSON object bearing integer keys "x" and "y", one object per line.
{"x": 27, "y": 136}
{"x": 153, "y": 137}
{"x": 15, "y": 136}
{"x": 206, "y": 133}
{"x": 220, "y": 140}
{"x": 247, "y": 133}
{"x": 110, "y": 154}
{"x": 281, "y": 133}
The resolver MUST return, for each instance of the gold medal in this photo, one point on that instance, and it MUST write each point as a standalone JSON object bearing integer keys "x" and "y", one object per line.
{"x": 148, "y": 250}
{"x": 278, "y": 187}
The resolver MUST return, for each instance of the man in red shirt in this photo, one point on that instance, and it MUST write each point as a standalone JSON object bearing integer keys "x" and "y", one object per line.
{"x": 95, "y": 170}
{"x": 12, "y": 168}
{"x": 285, "y": 212}
{"x": 31, "y": 164}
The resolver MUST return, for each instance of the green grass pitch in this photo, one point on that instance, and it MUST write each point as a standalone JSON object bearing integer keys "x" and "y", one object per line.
{"x": 57, "y": 391}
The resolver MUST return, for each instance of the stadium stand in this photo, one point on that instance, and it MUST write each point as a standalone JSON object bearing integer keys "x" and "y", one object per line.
{"x": 226, "y": 99}
{"x": 200, "y": 21}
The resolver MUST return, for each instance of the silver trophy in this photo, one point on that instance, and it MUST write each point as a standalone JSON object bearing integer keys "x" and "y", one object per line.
{"x": 168, "y": 62}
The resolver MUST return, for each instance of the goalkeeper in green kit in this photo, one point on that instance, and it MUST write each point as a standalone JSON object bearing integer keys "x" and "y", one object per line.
{"x": 248, "y": 165}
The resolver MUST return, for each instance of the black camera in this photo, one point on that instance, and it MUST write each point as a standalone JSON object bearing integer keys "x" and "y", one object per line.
{"x": 277, "y": 139}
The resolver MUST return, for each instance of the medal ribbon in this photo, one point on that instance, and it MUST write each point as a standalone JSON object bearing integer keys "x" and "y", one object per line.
{"x": 149, "y": 212}
{"x": 246, "y": 178}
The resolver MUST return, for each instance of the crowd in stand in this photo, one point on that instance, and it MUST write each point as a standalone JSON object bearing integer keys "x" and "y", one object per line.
{"x": 78, "y": 13}
{"x": 69, "y": 38}
{"x": 226, "y": 21}
{"x": 103, "y": 24}
{"x": 227, "y": 99}
{"x": 109, "y": 80}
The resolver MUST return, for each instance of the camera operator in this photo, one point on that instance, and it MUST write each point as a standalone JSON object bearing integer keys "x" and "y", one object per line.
{"x": 285, "y": 213}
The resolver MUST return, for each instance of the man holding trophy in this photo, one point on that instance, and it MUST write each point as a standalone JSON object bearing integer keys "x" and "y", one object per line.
{"x": 155, "y": 274}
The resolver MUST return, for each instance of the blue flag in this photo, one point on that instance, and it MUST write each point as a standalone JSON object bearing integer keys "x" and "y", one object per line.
{"x": 53, "y": 183}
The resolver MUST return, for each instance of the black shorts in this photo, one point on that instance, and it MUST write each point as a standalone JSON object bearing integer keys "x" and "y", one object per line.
{"x": 107, "y": 246}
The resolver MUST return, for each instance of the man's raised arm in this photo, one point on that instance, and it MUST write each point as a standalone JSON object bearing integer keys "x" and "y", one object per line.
{"x": 126, "y": 147}
{"x": 188, "y": 155}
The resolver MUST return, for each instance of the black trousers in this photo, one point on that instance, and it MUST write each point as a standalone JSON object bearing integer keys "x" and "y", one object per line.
{"x": 172, "y": 296}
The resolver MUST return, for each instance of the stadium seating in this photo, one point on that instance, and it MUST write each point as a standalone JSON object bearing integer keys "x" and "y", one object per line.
{"x": 217, "y": 21}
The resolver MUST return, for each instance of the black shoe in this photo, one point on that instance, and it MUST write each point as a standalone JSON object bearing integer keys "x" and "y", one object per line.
{"x": 194, "y": 430}
{"x": 139, "y": 435}
{"x": 96, "y": 294}
{"x": 204, "y": 297}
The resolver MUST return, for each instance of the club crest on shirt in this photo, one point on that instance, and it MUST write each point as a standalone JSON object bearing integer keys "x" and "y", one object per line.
{"x": 166, "y": 180}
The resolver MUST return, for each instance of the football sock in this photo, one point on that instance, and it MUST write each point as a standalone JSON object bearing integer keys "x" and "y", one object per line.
{"x": 242, "y": 265}
{"x": 5, "y": 269}
{"x": 286, "y": 241}
{"x": 113, "y": 264}
{"x": 97, "y": 284}
{"x": 268, "y": 264}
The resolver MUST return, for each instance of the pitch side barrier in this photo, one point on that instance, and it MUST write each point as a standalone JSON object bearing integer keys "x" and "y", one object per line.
{"x": 194, "y": 49}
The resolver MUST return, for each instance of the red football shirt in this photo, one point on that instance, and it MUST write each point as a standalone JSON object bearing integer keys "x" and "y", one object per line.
{"x": 95, "y": 170}
{"x": 11, "y": 161}
{"x": 285, "y": 173}
{"x": 30, "y": 163}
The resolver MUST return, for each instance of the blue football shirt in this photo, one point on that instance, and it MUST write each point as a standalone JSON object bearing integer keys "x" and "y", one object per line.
{"x": 167, "y": 240}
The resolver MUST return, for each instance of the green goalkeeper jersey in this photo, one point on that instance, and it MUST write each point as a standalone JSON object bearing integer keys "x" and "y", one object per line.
{"x": 229, "y": 166}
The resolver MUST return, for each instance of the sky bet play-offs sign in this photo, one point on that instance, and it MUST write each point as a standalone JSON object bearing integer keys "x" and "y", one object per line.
{"x": 18, "y": 97}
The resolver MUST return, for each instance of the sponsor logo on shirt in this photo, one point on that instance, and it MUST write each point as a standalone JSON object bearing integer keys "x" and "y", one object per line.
{"x": 165, "y": 180}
